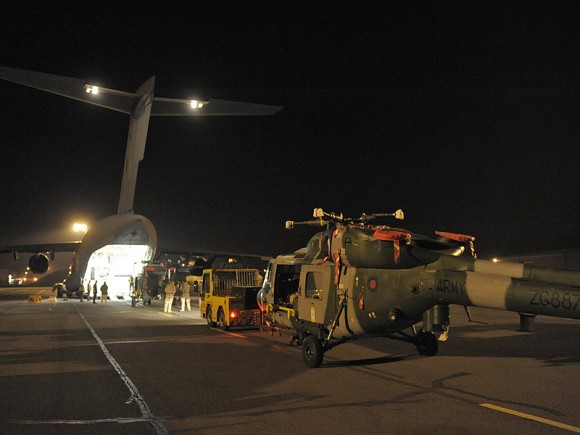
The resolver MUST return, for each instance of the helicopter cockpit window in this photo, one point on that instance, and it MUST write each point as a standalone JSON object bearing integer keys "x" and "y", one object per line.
{"x": 287, "y": 281}
{"x": 313, "y": 285}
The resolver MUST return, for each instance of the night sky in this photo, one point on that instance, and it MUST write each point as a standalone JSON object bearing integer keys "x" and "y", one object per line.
{"x": 464, "y": 114}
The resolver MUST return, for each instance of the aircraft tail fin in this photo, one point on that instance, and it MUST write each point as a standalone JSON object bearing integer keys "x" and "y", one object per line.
{"x": 136, "y": 139}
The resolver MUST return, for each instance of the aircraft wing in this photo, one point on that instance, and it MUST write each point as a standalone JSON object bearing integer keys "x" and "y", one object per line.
{"x": 41, "y": 247}
{"x": 126, "y": 102}
{"x": 77, "y": 89}
{"x": 212, "y": 107}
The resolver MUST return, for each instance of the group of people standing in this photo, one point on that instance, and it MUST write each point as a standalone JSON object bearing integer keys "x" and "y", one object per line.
{"x": 171, "y": 289}
{"x": 104, "y": 292}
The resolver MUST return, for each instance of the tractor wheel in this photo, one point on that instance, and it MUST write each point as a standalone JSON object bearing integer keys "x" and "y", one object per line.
{"x": 312, "y": 353}
{"x": 222, "y": 320}
{"x": 208, "y": 317}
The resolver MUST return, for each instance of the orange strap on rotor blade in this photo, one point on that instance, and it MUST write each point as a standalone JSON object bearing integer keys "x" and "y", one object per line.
{"x": 465, "y": 238}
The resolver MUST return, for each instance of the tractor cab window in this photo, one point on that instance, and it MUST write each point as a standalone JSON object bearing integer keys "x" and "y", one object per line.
{"x": 205, "y": 284}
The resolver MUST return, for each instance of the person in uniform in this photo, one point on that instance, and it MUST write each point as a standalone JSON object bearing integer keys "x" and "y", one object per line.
{"x": 169, "y": 294}
{"x": 185, "y": 299}
{"x": 104, "y": 293}
{"x": 95, "y": 293}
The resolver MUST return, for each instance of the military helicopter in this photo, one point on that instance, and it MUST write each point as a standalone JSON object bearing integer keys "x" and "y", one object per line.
{"x": 354, "y": 279}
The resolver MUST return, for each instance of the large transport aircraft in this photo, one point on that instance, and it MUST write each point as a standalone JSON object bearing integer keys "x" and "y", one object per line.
{"x": 116, "y": 246}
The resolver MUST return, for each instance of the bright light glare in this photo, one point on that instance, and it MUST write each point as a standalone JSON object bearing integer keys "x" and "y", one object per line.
{"x": 196, "y": 104}
{"x": 91, "y": 89}
{"x": 80, "y": 228}
{"x": 495, "y": 260}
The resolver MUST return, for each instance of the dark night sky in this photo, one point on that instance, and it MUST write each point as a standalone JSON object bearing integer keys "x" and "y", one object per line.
{"x": 463, "y": 114}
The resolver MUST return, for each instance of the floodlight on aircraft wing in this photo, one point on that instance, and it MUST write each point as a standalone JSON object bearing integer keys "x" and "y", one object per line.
{"x": 94, "y": 89}
{"x": 125, "y": 102}
{"x": 211, "y": 107}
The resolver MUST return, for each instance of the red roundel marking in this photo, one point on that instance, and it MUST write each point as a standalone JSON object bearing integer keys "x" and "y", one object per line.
{"x": 373, "y": 283}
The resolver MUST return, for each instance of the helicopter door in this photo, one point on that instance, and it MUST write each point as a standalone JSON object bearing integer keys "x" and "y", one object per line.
{"x": 317, "y": 301}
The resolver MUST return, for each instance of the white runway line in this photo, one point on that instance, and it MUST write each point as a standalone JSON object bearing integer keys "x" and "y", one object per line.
{"x": 145, "y": 410}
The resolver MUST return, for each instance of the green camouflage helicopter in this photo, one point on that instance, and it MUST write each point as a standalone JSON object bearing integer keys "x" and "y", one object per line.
{"x": 354, "y": 279}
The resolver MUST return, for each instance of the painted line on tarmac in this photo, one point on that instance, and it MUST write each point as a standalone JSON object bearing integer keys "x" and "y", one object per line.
{"x": 531, "y": 417}
{"x": 122, "y": 420}
{"x": 233, "y": 334}
{"x": 135, "y": 396}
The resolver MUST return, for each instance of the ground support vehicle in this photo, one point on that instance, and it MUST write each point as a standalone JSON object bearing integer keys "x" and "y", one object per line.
{"x": 149, "y": 284}
{"x": 229, "y": 297}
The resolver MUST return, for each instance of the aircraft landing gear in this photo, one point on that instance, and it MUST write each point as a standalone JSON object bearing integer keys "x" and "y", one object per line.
{"x": 312, "y": 352}
{"x": 426, "y": 343}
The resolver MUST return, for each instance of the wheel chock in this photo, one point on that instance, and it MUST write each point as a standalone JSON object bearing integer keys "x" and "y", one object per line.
{"x": 35, "y": 298}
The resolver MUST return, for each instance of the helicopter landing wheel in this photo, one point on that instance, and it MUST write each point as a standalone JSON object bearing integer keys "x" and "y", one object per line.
{"x": 312, "y": 353}
{"x": 426, "y": 343}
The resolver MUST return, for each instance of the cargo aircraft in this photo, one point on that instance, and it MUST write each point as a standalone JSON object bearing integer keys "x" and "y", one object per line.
{"x": 116, "y": 246}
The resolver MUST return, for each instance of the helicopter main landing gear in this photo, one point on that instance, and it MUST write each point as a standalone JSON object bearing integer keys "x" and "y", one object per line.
{"x": 313, "y": 348}
{"x": 426, "y": 343}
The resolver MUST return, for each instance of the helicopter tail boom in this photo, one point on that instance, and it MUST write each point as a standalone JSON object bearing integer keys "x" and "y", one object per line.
{"x": 556, "y": 297}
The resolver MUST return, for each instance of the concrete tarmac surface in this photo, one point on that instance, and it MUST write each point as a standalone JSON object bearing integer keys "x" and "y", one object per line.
{"x": 84, "y": 368}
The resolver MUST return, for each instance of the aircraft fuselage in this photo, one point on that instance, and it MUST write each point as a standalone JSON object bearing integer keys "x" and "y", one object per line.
{"x": 126, "y": 238}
